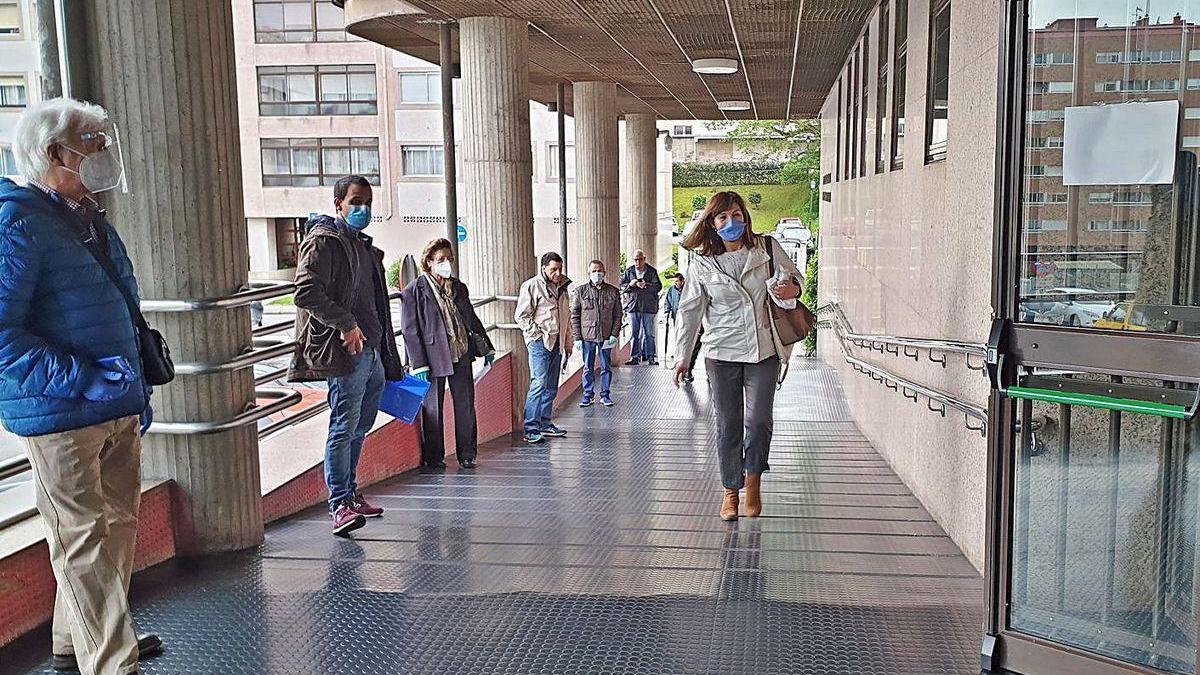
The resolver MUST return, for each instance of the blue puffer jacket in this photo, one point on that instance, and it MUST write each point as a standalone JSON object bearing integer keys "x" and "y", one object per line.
{"x": 59, "y": 314}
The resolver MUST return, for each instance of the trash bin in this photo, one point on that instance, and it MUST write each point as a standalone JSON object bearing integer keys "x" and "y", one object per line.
{"x": 403, "y": 399}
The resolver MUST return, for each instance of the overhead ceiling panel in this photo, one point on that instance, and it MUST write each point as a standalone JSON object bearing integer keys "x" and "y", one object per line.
{"x": 790, "y": 51}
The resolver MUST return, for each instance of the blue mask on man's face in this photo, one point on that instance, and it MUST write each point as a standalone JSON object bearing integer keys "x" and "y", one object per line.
{"x": 358, "y": 217}
{"x": 732, "y": 230}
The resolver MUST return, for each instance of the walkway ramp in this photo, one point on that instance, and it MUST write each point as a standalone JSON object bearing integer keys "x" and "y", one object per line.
{"x": 598, "y": 553}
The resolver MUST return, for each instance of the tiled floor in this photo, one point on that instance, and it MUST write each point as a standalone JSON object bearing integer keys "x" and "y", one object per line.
{"x": 598, "y": 553}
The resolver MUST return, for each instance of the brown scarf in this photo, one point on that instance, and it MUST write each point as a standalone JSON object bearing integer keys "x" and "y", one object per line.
{"x": 456, "y": 330}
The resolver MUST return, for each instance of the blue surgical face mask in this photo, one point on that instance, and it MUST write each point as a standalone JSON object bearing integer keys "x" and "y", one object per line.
{"x": 358, "y": 217}
{"x": 733, "y": 230}
{"x": 597, "y": 278}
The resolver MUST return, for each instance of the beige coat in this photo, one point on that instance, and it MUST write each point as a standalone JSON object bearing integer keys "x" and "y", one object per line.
{"x": 544, "y": 313}
{"x": 730, "y": 308}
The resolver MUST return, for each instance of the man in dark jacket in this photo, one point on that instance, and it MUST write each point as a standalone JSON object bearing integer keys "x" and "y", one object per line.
{"x": 71, "y": 376}
{"x": 345, "y": 337}
{"x": 641, "y": 286}
{"x": 596, "y": 322}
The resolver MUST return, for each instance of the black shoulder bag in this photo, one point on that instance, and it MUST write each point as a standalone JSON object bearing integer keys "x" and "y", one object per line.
{"x": 157, "y": 367}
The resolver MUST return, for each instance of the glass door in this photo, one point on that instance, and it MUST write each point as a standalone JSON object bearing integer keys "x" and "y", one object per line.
{"x": 1095, "y": 357}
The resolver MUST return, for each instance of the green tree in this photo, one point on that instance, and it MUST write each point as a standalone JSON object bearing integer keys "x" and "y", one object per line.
{"x": 699, "y": 202}
{"x": 755, "y": 198}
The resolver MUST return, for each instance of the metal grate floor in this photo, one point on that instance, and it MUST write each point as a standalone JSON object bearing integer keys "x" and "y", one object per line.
{"x": 597, "y": 553}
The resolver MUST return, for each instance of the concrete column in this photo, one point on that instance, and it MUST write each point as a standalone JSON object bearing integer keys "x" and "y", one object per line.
{"x": 498, "y": 254}
{"x": 597, "y": 189}
{"x": 165, "y": 72}
{"x": 641, "y": 172}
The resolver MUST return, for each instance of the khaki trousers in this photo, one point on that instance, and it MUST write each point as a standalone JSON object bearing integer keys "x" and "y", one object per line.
{"x": 88, "y": 484}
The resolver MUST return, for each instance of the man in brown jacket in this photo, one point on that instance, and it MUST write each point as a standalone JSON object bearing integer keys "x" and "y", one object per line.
{"x": 596, "y": 322}
{"x": 345, "y": 337}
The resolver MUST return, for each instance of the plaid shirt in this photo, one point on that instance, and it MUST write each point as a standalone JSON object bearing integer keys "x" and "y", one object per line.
{"x": 86, "y": 209}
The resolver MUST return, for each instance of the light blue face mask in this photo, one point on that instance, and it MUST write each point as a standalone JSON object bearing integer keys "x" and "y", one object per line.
{"x": 358, "y": 217}
{"x": 733, "y": 230}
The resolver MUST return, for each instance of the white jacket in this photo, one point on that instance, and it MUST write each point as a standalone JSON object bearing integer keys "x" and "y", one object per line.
{"x": 544, "y": 313}
{"x": 728, "y": 306}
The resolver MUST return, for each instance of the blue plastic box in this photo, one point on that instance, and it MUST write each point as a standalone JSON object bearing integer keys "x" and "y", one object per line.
{"x": 403, "y": 399}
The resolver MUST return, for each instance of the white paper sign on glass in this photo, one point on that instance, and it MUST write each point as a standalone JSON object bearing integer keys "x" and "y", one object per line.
{"x": 1120, "y": 144}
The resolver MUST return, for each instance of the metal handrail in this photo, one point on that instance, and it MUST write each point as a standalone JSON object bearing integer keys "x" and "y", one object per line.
{"x": 936, "y": 400}
{"x": 910, "y": 346}
{"x": 13, "y": 466}
{"x": 284, "y": 399}
{"x": 241, "y": 298}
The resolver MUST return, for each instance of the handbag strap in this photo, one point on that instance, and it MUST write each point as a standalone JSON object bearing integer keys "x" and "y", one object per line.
{"x": 88, "y": 240}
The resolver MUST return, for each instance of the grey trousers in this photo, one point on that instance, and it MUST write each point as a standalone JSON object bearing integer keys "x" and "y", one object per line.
{"x": 743, "y": 395}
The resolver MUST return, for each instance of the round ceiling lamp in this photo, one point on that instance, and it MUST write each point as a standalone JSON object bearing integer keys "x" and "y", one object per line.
{"x": 733, "y": 105}
{"x": 715, "y": 66}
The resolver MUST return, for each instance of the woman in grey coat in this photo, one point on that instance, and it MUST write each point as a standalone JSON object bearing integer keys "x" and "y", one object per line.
{"x": 729, "y": 286}
{"x": 443, "y": 336}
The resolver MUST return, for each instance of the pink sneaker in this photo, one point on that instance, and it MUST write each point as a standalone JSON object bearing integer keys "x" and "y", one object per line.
{"x": 346, "y": 521}
{"x": 360, "y": 506}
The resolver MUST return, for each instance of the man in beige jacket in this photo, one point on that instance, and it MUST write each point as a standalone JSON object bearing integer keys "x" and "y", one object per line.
{"x": 544, "y": 314}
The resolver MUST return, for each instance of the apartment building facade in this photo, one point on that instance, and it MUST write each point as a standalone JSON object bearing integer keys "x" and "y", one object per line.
{"x": 19, "y": 69}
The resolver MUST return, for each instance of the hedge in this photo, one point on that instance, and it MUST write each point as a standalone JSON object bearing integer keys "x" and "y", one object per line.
{"x": 729, "y": 173}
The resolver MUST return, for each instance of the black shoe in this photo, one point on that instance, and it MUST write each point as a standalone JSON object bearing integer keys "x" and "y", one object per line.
{"x": 149, "y": 646}
{"x": 433, "y": 466}
{"x": 467, "y": 464}
{"x": 634, "y": 362}
{"x": 652, "y": 362}
{"x": 689, "y": 378}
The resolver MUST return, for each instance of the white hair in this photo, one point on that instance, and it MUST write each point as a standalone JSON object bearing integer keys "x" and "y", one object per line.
{"x": 48, "y": 122}
{"x": 639, "y": 252}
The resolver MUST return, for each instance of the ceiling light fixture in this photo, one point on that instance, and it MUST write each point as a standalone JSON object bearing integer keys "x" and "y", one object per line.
{"x": 733, "y": 105}
{"x": 715, "y": 66}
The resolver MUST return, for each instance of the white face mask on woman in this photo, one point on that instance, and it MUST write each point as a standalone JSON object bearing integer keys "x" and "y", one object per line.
{"x": 443, "y": 269}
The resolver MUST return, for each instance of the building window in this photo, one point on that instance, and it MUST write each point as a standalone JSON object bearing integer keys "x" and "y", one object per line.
{"x": 1036, "y": 225}
{"x": 1193, "y": 84}
{"x": 852, "y": 120}
{"x": 937, "y": 98}
{"x": 10, "y": 19}
{"x": 1191, "y": 113}
{"x": 1045, "y": 142}
{"x": 899, "y": 83}
{"x": 317, "y": 90}
{"x": 681, "y": 130}
{"x": 552, "y": 162}
{"x": 1191, "y": 141}
{"x": 8, "y": 163}
{"x": 1121, "y": 198}
{"x": 1054, "y": 59}
{"x": 1042, "y": 170}
{"x": 1044, "y": 116}
{"x": 1036, "y": 198}
{"x": 311, "y": 162}
{"x": 1135, "y": 225}
{"x": 420, "y": 87}
{"x": 423, "y": 160}
{"x": 1137, "y": 85}
{"x": 298, "y": 21}
{"x": 1108, "y": 57}
{"x": 287, "y": 241}
{"x": 1041, "y": 87}
{"x": 881, "y": 89}
{"x": 12, "y": 91}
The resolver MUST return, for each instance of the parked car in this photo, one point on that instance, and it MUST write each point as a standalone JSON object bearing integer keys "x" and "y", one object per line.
{"x": 1123, "y": 316}
{"x": 793, "y": 230}
{"x": 1065, "y": 307}
{"x": 668, "y": 224}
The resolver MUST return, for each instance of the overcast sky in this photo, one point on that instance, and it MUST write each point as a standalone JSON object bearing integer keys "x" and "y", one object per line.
{"x": 1112, "y": 12}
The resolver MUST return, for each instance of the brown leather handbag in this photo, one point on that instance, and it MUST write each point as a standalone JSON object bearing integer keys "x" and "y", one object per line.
{"x": 792, "y": 325}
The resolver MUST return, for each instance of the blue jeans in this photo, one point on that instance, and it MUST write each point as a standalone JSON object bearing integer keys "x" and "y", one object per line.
{"x": 590, "y": 350}
{"x": 643, "y": 335}
{"x": 353, "y": 404}
{"x": 544, "y": 368}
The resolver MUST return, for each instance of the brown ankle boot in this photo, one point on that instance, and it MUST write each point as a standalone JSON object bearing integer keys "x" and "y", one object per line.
{"x": 729, "y": 507}
{"x": 753, "y": 498}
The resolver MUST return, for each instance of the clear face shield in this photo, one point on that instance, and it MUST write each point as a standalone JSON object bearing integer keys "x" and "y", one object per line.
{"x": 103, "y": 166}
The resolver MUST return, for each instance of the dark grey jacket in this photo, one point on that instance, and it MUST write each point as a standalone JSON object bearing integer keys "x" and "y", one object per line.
{"x": 324, "y": 295}
{"x": 426, "y": 338}
{"x": 641, "y": 300}
{"x": 595, "y": 312}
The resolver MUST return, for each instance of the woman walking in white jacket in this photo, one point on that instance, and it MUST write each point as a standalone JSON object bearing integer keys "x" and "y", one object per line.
{"x": 729, "y": 286}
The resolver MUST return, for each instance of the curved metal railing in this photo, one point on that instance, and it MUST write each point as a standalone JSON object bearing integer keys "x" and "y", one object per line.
{"x": 936, "y": 400}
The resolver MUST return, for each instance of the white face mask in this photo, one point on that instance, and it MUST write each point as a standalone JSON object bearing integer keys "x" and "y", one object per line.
{"x": 597, "y": 278}
{"x": 443, "y": 269}
{"x": 104, "y": 169}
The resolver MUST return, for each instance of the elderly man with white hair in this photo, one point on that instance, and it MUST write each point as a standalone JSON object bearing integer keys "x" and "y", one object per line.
{"x": 71, "y": 375}
{"x": 641, "y": 287}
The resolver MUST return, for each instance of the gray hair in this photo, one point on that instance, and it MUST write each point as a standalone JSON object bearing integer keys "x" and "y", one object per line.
{"x": 48, "y": 122}
{"x": 639, "y": 252}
